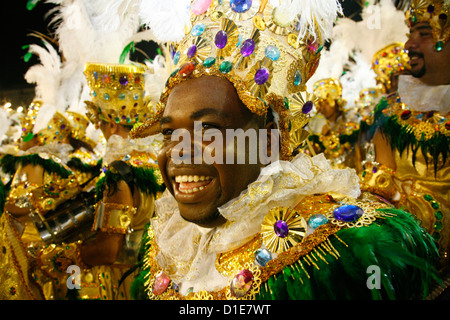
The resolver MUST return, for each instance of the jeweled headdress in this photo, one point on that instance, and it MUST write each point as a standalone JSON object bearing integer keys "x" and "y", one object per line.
{"x": 436, "y": 13}
{"x": 117, "y": 93}
{"x": 267, "y": 52}
{"x": 329, "y": 88}
{"x": 390, "y": 60}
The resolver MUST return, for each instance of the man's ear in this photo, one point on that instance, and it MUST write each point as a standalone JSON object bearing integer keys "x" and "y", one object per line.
{"x": 114, "y": 127}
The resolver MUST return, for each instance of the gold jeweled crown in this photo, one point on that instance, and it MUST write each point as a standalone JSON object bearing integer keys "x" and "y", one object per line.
{"x": 390, "y": 60}
{"x": 56, "y": 131}
{"x": 435, "y": 12}
{"x": 29, "y": 119}
{"x": 267, "y": 53}
{"x": 117, "y": 93}
{"x": 329, "y": 88}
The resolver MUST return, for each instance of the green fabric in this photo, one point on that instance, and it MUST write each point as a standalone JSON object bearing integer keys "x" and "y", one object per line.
{"x": 404, "y": 253}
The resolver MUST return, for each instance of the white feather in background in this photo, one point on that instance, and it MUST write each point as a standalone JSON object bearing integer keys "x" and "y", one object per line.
{"x": 353, "y": 44}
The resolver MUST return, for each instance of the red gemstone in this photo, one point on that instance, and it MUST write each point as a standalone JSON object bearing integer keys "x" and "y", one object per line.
{"x": 161, "y": 283}
{"x": 447, "y": 125}
{"x": 405, "y": 115}
{"x": 186, "y": 69}
{"x": 241, "y": 283}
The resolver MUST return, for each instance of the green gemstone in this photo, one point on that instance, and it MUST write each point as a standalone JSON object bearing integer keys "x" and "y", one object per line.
{"x": 286, "y": 103}
{"x": 438, "y": 226}
{"x": 117, "y": 120}
{"x": 209, "y": 62}
{"x": 436, "y": 236}
{"x": 414, "y": 19}
{"x": 439, "y": 45}
{"x": 363, "y": 174}
{"x": 434, "y": 204}
{"x": 225, "y": 66}
{"x": 438, "y": 215}
{"x": 428, "y": 197}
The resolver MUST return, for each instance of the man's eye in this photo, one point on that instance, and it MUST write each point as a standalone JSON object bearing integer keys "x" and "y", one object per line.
{"x": 167, "y": 132}
{"x": 206, "y": 126}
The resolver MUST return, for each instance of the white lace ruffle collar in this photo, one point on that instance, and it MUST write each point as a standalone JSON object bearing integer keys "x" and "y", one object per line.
{"x": 421, "y": 97}
{"x": 188, "y": 252}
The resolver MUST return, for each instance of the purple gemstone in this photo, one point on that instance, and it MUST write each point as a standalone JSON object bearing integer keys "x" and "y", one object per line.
{"x": 261, "y": 76}
{"x": 192, "y": 51}
{"x": 221, "y": 39}
{"x": 123, "y": 80}
{"x": 63, "y": 126}
{"x": 281, "y": 229}
{"x": 247, "y": 48}
{"x": 430, "y": 8}
{"x": 374, "y": 169}
{"x": 307, "y": 107}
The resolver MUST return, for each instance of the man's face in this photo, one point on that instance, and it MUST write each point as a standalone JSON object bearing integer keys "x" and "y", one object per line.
{"x": 327, "y": 107}
{"x": 427, "y": 63}
{"x": 214, "y": 102}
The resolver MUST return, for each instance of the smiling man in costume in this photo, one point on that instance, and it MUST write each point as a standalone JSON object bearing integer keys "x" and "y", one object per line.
{"x": 292, "y": 229}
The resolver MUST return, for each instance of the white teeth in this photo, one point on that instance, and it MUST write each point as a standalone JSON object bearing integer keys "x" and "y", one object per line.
{"x": 193, "y": 178}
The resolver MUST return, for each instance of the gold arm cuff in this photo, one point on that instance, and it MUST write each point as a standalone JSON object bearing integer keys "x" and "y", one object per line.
{"x": 114, "y": 217}
{"x": 377, "y": 179}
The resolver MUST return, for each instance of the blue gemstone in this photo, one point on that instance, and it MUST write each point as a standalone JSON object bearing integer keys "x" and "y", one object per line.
{"x": 262, "y": 256}
{"x": 348, "y": 213}
{"x": 106, "y": 96}
{"x": 176, "y": 57}
{"x": 122, "y": 96}
{"x": 272, "y": 52}
{"x": 197, "y": 29}
{"x": 240, "y": 6}
{"x": 297, "y": 78}
{"x": 317, "y": 220}
{"x": 94, "y": 94}
{"x": 95, "y": 75}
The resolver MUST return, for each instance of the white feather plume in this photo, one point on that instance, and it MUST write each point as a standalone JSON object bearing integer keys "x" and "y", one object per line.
{"x": 314, "y": 14}
{"x": 167, "y": 19}
{"x": 46, "y": 75}
{"x": 155, "y": 78}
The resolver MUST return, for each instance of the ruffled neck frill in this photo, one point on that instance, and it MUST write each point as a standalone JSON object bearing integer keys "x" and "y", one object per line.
{"x": 422, "y": 97}
{"x": 118, "y": 147}
{"x": 187, "y": 252}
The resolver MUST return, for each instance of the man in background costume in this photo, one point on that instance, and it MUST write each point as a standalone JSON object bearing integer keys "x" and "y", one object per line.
{"x": 336, "y": 135}
{"x": 292, "y": 229}
{"x": 412, "y": 141}
{"x": 125, "y": 192}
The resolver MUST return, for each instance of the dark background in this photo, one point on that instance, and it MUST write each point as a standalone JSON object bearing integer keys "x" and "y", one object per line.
{"x": 16, "y": 25}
